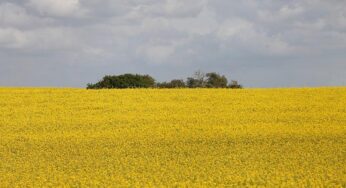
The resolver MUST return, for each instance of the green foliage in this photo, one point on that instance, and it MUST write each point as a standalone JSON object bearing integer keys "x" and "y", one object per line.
{"x": 124, "y": 81}
{"x": 172, "y": 84}
{"x": 234, "y": 85}
{"x": 198, "y": 80}
{"x": 193, "y": 83}
{"x": 209, "y": 80}
{"x": 215, "y": 80}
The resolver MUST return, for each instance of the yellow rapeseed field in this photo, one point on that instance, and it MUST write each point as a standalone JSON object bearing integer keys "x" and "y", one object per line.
{"x": 173, "y": 137}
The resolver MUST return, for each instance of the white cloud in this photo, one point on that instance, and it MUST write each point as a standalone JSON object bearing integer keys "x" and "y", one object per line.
{"x": 41, "y": 39}
{"x": 156, "y": 53}
{"x": 170, "y": 8}
{"x": 245, "y": 36}
{"x": 57, "y": 7}
{"x": 235, "y": 28}
{"x": 282, "y": 14}
{"x": 53, "y": 39}
{"x": 290, "y": 11}
{"x": 12, "y": 38}
{"x": 13, "y": 15}
{"x": 183, "y": 8}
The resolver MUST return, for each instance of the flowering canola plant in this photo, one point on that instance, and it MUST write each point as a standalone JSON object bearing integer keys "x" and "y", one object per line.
{"x": 173, "y": 137}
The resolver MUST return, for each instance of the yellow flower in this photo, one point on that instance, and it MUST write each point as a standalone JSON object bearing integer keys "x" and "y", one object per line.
{"x": 172, "y": 137}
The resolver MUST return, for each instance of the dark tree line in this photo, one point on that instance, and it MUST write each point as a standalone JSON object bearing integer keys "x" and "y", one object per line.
{"x": 124, "y": 81}
{"x": 198, "y": 80}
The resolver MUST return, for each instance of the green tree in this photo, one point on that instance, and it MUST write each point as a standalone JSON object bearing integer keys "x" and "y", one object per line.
{"x": 197, "y": 81}
{"x": 172, "y": 84}
{"x": 178, "y": 83}
{"x": 124, "y": 81}
{"x": 214, "y": 80}
{"x": 234, "y": 85}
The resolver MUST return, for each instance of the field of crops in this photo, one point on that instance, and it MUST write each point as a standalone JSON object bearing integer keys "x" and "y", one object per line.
{"x": 176, "y": 137}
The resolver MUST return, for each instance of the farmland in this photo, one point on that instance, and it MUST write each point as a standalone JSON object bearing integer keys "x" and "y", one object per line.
{"x": 173, "y": 137}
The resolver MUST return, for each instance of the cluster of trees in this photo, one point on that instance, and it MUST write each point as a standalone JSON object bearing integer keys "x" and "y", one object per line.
{"x": 124, "y": 81}
{"x": 198, "y": 80}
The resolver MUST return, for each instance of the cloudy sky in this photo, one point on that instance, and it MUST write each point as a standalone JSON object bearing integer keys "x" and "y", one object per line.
{"x": 267, "y": 43}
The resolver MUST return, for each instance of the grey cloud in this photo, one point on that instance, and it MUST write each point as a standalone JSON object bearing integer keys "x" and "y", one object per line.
{"x": 261, "y": 43}
{"x": 63, "y": 8}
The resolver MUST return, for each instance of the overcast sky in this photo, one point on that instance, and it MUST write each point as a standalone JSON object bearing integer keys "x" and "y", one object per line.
{"x": 260, "y": 43}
